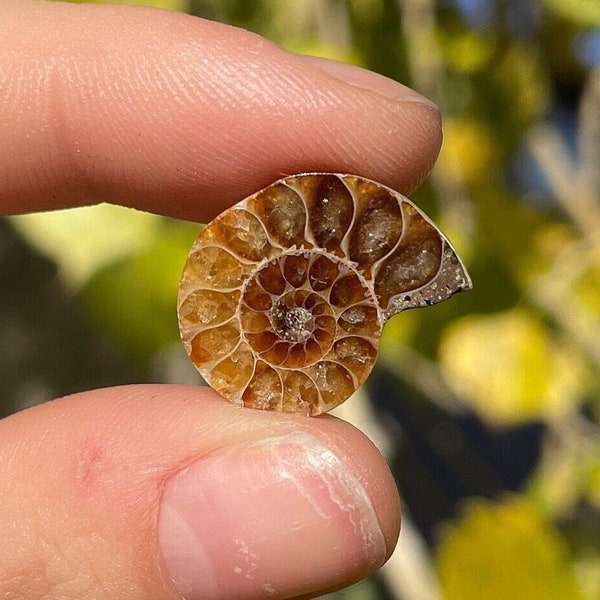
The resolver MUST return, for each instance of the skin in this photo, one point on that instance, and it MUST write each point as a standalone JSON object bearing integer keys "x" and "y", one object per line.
{"x": 182, "y": 117}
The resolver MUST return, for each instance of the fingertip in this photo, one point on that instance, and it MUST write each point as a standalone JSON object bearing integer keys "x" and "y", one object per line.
{"x": 279, "y": 516}
{"x": 189, "y": 116}
{"x": 371, "y": 469}
{"x": 241, "y": 503}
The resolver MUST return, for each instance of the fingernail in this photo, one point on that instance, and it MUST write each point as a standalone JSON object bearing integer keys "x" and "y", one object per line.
{"x": 369, "y": 80}
{"x": 278, "y": 517}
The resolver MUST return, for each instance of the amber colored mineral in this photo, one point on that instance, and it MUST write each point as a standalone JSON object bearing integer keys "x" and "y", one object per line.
{"x": 284, "y": 295}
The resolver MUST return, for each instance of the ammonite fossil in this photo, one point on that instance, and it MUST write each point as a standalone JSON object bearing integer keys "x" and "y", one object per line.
{"x": 284, "y": 295}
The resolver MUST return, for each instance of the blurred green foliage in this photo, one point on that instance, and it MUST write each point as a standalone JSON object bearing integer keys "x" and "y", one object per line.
{"x": 504, "y": 551}
{"x": 517, "y": 189}
{"x": 133, "y": 298}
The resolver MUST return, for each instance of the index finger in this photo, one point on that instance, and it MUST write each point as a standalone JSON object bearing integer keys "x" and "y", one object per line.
{"x": 176, "y": 115}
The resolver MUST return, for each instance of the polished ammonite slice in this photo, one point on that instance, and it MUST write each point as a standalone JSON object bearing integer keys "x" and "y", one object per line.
{"x": 284, "y": 295}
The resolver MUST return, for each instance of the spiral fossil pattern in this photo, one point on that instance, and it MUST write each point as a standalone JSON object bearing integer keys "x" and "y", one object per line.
{"x": 283, "y": 296}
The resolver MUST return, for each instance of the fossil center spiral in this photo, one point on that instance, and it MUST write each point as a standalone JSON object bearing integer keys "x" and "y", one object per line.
{"x": 293, "y": 305}
{"x": 294, "y": 324}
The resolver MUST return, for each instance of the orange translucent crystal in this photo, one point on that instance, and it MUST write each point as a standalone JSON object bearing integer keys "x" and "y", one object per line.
{"x": 283, "y": 296}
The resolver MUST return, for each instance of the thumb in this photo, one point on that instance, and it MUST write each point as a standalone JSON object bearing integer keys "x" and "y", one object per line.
{"x": 166, "y": 491}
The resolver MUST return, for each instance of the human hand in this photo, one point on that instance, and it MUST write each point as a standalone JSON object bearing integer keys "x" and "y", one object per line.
{"x": 168, "y": 491}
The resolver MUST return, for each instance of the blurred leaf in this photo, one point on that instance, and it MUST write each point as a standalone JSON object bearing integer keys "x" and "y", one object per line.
{"x": 511, "y": 245}
{"x": 519, "y": 87}
{"x": 584, "y": 13}
{"x": 569, "y": 471}
{"x": 508, "y": 227}
{"x": 508, "y": 368}
{"x": 400, "y": 329}
{"x": 134, "y": 300}
{"x": 588, "y": 573}
{"x": 83, "y": 240}
{"x": 547, "y": 243}
{"x": 588, "y": 285}
{"x": 504, "y": 551}
{"x": 375, "y": 27}
{"x": 468, "y": 151}
{"x": 467, "y": 52}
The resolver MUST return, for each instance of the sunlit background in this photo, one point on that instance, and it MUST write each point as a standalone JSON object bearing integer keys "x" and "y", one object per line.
{"x": 486, "y": 406}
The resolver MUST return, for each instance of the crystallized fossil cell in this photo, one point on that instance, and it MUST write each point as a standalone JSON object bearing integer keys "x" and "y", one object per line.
{"x": 284, "y": 295}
